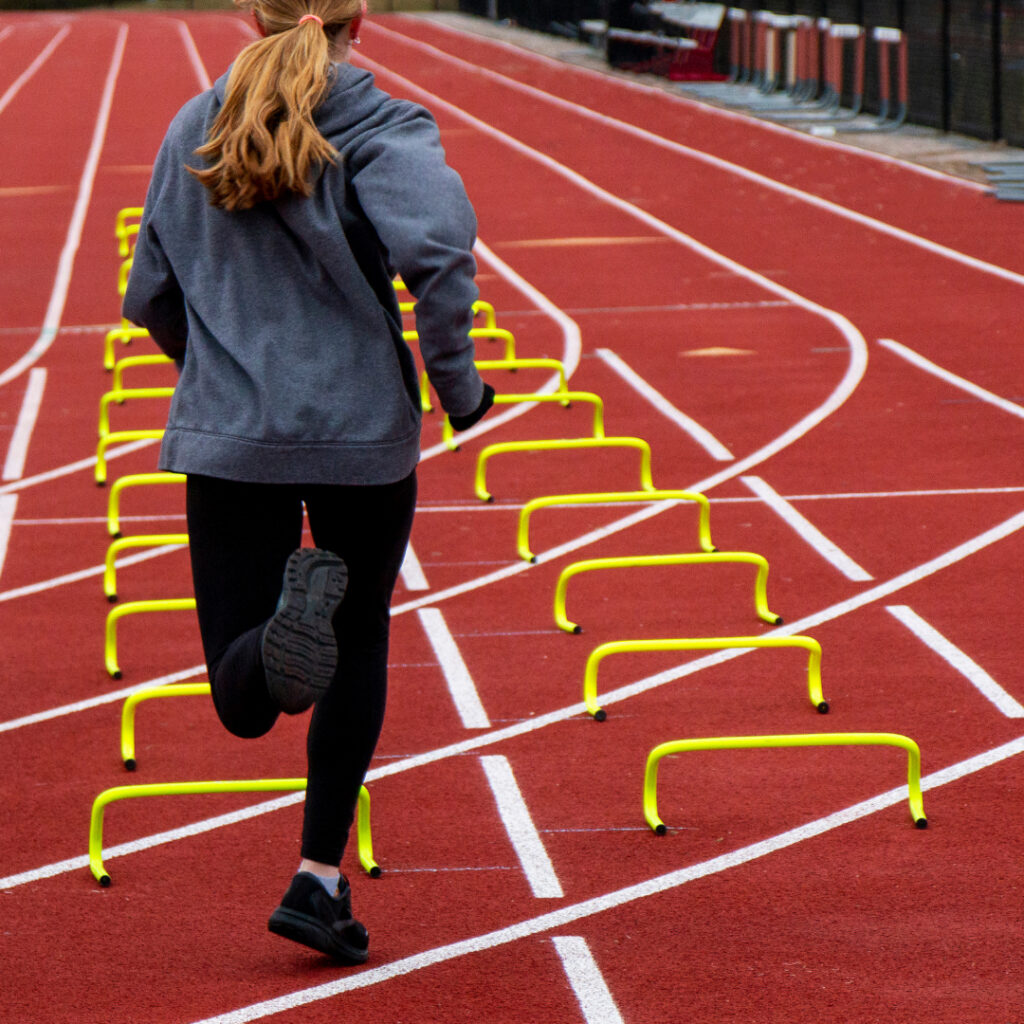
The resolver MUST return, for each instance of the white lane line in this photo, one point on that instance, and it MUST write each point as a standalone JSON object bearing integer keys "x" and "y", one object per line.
{"x": 44, "y": 55}
{"x": 970, "y": 547}
{"x": 703, "y": 437}
{"x": 569, "y": 915}
{"x": 951, "y": 378}
{"x": 110, "y": 697}
{"x": 522, "y": 832}
{"x": 196, "y": 61}
{"x": 456, "y": 674}
{"x": 17, "y": 452}
{"x": 962, "y": 662}
{"x": 806, "y": 530}
{"x": 62, "y": 282}
{"x": 717, "y": 162}
{"x": 84, "y": 574}
{"x": 8, "y": 506}
{"x": 70, "y": 468}
{"x": 587, "y": 981}
{"x": 411, "y": 572}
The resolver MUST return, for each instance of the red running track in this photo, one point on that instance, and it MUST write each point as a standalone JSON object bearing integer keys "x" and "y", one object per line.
{"x": 844, "y": 329}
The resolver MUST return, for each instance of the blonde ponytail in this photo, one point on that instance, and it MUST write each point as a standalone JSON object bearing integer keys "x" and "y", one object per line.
{"x": 264, "y": 141}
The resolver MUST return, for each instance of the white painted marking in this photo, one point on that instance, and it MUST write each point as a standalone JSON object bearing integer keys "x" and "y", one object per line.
{"x": 962, "y": 662}
{"x": 73, "y": 467}
{"x": 62, "y": 282}
{"x": 568, "y": 915}
{"x": 807, "y": 530}
{"x": 622, "y": 693}
{"x": 412, "y": 572}
{"x": 193, "y": 55}
{"x": 951, "y": 378}
{"x": 14, "y": 464}
{"x": 44, "y": 55}
{"x": 460, "y": 682}
{"x": 8, "y": 505}
{"x": 84, "y": 574}
{"x": 522, "y": 832}
{"x": 703, "y": 437}
{"x": 587, "y": 981}
{"x": 110, "y": 697}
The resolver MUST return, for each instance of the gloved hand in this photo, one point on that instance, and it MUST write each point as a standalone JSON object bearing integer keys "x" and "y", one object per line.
{"x": 465, "y": 422}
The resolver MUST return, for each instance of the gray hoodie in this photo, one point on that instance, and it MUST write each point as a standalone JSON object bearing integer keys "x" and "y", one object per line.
{"x": 283, "y": 318}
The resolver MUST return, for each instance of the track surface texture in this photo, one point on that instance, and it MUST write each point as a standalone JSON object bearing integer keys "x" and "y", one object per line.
{"x": 824, "y": 341}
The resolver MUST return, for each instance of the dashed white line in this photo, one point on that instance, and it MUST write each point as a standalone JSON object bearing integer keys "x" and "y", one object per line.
{"x": 807, "y": 530}
{"x": 962, "y": 662}
{"x": 951, "y": 378}
{"x": 17, "y": 452}
{"x": 456, "y": 674}
{"x": 522, "y": 832}
{"x": 587, "y": 981}
{"x": 703, "y": 437}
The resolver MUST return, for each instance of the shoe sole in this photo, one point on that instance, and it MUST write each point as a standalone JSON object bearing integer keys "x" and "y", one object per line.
{"x": 300, "y": 652}
{"x": 308, "y": 931}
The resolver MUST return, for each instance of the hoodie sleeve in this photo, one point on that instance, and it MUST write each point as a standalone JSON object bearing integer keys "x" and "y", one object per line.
{"x": 153, "y": 298}
{"x": 419, "y": 209}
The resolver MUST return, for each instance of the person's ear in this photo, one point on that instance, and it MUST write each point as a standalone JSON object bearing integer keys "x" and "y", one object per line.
{"x": 260, "y": 27}
{"x": 354, "y": 25}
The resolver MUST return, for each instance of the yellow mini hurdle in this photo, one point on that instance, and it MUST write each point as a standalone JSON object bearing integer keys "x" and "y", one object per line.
{"x": 122, "y": 483}
{"x": 646, "y": 561}
{"x": 150, "y": 693}
{"x": 613, "y": 497}
{"x": 148, "y": 540}
{"x": 482, "y": 334}
{"x": 119, "y": 437}
{"x": 126, "y": 226}
{"x": 124, "y": 335}
{"x": 713, "y": 643}
{"x": 805, "y": 740}
{"x": 501, "y": 364}
{"x": 119, "y": 396}
{"x": 571, "y": 444}
{"x": 168, "y": 604}
{"x": 363, "y": 836}
{"x": 129, "y": 362}
{"x": 480, "y": 308}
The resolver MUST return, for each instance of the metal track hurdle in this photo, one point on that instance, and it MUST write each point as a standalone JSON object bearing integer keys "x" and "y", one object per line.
{"x": 122, "y": 483}
{"x": 119, "y": 396}
{"x": 572, "y": 444}
{"x": 165, "y": 604}
{"x": 646, "y": 561}
{"x": 888, "y": 40}
{"x": 801, "y": 740}
{"x": 713, "y": 643}
{"x": 130, "y": 362}
{"x": 609, "y": 497}
{"x": 364, "y": 838}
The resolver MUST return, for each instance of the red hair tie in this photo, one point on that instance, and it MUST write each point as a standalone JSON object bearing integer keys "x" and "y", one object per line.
{"x": 312, "y": 17}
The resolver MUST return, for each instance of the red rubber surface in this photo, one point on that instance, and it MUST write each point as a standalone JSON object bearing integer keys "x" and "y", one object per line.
{"x": 748, "y": 303}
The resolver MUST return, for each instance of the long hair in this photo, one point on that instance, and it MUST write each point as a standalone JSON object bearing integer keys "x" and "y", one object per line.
{"x": 263, "y": 141}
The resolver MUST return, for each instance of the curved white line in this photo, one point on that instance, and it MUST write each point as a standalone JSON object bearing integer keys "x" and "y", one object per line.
{"x": 59, "y": 295}
{"x": 724, "y": 165}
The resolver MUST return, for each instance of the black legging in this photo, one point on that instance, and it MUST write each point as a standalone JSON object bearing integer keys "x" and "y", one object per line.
{"x": 240, "y": 536}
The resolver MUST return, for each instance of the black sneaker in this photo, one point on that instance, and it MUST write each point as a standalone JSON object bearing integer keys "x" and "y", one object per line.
{"x": 310, "y": 915}
{"x": 300, "y": 652}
